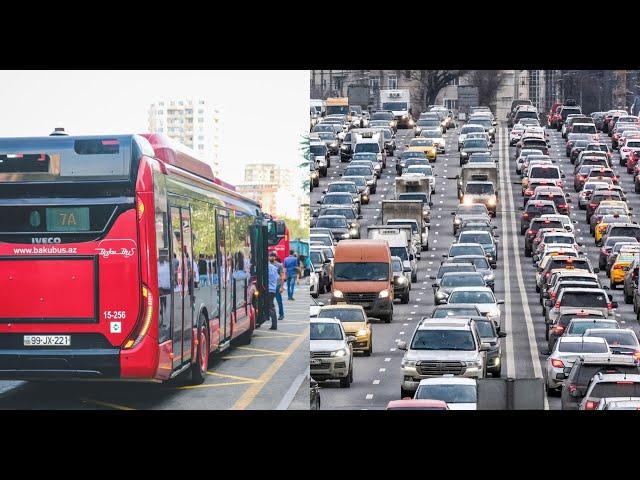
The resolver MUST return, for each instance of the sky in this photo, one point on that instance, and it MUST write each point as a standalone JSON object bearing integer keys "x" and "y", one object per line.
{"x": 264, "y": 113}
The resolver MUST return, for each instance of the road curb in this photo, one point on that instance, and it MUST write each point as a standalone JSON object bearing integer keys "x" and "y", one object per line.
{"x": 293, "y": 389}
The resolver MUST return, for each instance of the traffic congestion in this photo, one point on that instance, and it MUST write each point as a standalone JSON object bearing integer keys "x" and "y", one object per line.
{"x": 451, "y": 250}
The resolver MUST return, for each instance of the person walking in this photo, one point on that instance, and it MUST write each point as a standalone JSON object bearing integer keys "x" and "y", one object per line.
{"x": 291, "y": 269}
{"x": 273, "y": 288}
{"x": 280, "y": 287}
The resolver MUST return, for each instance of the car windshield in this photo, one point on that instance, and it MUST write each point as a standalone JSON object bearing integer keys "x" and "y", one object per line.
{"x": 431, "y": 133}
{"x": 475, "y": 143}
{"x": 324, "y": 239}
{"x": 364, "y": 156}
{"x": 454, "y": 312}
{"x": 361, "y": 271}
{"x": 382, "y": 116}
{"x": 421, "y": 142}
{"x": 345, "y": 212}
{"x": 454, "y": 268}
{"x": 400, "y": 252}
{"x": 540, "y": 209}
{"x": 341, "y": 187}
{"x": 325, "y": 331}
{"x": 316, "y": 257}
{"x": 405, "y": 155}
{"x": 414, "y": 196}
{"x": 337, "y": 199}
{"x": 331, "y": 223}
{"x": 456, "y": 280}
{"x": 485, "y": 328}
{"x": 443, "y": 340}
{"x": 471, "y": 297}
{"x": 477, "y": 208}
{"x": 583, "y": 128}
{"x": 580, "y": 143}
{"x": 359, "y": 171}
{"x": 579, "y": 327}
{"x": 318, "y": 150}
{"x": 615, "y": 389}
{"x": 465, "y": 250}
{"x": 615, "y": 338}
{"x": 397, "y": 265}
{"x": 480, "y": 188}
{"x": 543, "y": 172}
{"x": 326, "y": 135}
{"x": 536, "y": 224}
{"x": 359, "y": 181}
{"x": 479, "y": 262}
{"x": 424, "y": 170}
{"x": 472, "y": 237}
{"x": 582, "y": 347}
{"x": 558, "y": 239}
{"x": 344, "y": 315}
{"x": 367, "y": 147}
{"x": 447, "y": 393}
{"x": 625, "y": 231}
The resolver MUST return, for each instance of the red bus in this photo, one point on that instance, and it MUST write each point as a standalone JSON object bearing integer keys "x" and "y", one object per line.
{"x": 279, "y": 239}
{"x": 122, "y": 258}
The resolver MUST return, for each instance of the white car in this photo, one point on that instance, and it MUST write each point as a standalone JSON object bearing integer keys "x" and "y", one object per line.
{"x": 330, "y": 351}
{"x": 565, "y": 352}
{"x": 524, "y": 153}
{"x": 630, "y": 145}
{"x": 464, "y": 131}
{"x": 619, "y": 403}
{"x": 459, "y": 393}
{"x": 314, "y": 283}
{"x": 314, "y": 308}
{"x": 516, "y": 133}
{"x": 482, "y": 297}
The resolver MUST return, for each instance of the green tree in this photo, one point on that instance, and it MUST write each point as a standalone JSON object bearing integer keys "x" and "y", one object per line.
{"x": 296, "y": 228}
{"x": 305, "y": 165}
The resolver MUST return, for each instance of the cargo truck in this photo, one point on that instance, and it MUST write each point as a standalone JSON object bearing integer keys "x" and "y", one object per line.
{"x": 408, "y": 210}
{"x": 398, "y": 102}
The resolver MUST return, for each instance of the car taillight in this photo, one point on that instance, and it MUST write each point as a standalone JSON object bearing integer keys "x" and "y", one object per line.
{"x": 525, "y": 215}
{"x": 557, "y": 305}
{"x": 618, "y": 267}
{"x": 572, "y": 387}
{"x": 553, "y": 295}
{"x": 528, "y": 192}
{"x": 556, "y": 363}
{"x": 636, "y": 354}
{"x": 591, "y": 405}
{"x": 558, "y": 329}
{"x": 609, "y": 306}
{"x": 593, "y": 205}
{"x": 560, "y": 183}
{"x": 562, "y": 205}
{"x": 581, "y": 177}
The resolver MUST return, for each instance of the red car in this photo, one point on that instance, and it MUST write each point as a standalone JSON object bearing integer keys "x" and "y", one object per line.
{"x": 554, "y": 115}
{"x": 632, "y": 162}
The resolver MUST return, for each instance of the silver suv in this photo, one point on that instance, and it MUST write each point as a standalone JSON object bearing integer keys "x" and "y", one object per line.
{"x": 330, "y": 351}
{"x": 448, "y": 346}
{"x": 605, "y": 385}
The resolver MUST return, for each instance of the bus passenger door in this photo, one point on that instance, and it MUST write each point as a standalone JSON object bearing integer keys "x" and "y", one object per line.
{"x": 188, "y": 285}
{"x": 224, "y": 275}
{"x": 177, "y": 285}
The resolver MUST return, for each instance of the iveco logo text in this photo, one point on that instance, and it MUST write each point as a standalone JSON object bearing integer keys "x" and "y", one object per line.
{"x": 46, "y": 240}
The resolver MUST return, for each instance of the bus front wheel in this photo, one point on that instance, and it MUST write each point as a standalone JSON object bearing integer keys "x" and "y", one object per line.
{"x": 199, "y": 367}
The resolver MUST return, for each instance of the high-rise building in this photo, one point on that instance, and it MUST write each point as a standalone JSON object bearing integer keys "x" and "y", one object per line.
{"x": 274, "y": 187}
{"x": 192, "y": 122}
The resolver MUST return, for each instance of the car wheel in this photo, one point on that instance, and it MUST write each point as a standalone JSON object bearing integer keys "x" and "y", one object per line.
{"x": 414, "y": 277}
{"x": 546, "y": 332}
{"x": 496, "y": 373}
{"x": 345, "y": 381}
{"x": 315, "y": 295}
{"x": 527, "y": 252}
{"x": 628, "y": 299}
{"x": 537, "y": 288}
{"x": 613, "y": 285}
{"x": 405, "y": 298}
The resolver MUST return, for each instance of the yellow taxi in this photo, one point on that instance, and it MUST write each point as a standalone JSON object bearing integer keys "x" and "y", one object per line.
{"x": 355, "y": 323}
{"x": 425, "y": 145}
{"x": 601, "y": 226}
{"x": 626, "y": 256}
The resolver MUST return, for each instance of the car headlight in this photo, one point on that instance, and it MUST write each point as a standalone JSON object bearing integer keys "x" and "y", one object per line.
{"x": 456, "y": 221}
{"x": 353, "y": 232}
{"x": 362, "y": 333}
{"x": 464, "y": 154}
{"x": 339, "y": 353}
{"x": 343, "y": 147}
{"x": 493, "y": 315}
{"x": 408, "y": 363}
{"x": 338, "y": 294}
{"x": 466, "y": 200}
{"x": 401, "y": 280}
{"x": 345, "y": 235}
{"x": 474, "y": 364}
{"x": 489, "y": 278}
{"x": 492, "y": 202}
{"x": 441, "y": 295}
{"x": 411, "y": 122}
{"x": 369, "y": 182}
{"x": 383, "y": 294}
{"x": 491, "y": 131}
{"x": 333, "y": 144}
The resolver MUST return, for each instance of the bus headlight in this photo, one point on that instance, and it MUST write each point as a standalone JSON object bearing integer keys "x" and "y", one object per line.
{"x": 338, "y": 294}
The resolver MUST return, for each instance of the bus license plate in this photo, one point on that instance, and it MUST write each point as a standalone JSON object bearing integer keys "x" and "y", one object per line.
{"x": 47, "y": 340}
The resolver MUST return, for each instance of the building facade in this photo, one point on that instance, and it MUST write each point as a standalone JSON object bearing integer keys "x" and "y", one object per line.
{"x": 192, "y": 122}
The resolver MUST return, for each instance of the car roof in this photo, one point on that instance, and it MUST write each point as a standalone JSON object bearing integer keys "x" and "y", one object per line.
{"x": 581, "y": 339}
{"x": 472, "y": 289}
{"x": 325, "y": 320}
{"x": 415, "y": 403}
{"x": 342, "y": 306}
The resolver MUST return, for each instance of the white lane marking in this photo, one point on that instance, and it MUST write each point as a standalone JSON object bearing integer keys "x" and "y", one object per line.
{"x": 382, "y": 370}
{"x": 401, "y": 333}
{"x": 376, "y": 382}
{"x": 505, "y": 258}
{"x": 533, "y": 343}
{"x": 405, "y": 324}
{"x": 369, "y": 396}
{"x": 392, "y": 349}
{"x": 388, "y": 359}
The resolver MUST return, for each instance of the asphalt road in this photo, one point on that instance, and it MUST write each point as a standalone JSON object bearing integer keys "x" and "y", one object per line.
{"x": 268, "y": 374}
{"x": 377, "y": 378}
